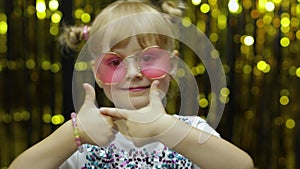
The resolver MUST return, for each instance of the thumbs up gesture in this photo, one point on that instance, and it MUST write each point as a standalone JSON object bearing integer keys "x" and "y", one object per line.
{"x": 94, "y": 127}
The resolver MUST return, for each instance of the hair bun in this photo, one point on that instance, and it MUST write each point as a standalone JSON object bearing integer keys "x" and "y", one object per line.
{"x": 72, "y": 37}
{"x": 173, "y": 7}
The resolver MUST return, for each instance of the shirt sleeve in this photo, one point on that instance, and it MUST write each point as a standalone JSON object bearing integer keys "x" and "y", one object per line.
{"x": 199, "y": 123}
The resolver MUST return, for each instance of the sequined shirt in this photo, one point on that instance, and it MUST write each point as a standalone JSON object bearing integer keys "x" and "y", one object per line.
{"x": 122, "y": 154}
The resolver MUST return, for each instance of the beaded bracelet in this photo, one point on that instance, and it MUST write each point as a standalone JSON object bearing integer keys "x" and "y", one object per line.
{"x": 76, "y": 132}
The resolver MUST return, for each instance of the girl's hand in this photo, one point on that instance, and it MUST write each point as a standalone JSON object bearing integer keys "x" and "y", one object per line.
{"x": 94, "y": 127}
{"x": 145, "y": 124}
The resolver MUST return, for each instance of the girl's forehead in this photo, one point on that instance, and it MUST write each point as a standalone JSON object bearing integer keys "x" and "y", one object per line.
{"x": 128, "y": 45}
{"x": 132, "y": 45}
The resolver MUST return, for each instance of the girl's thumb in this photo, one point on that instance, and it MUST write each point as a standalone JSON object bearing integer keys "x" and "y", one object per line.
{"x": 89, "y": 94}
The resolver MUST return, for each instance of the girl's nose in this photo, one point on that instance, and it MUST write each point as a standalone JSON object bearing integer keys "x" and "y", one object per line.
{"x": 132, "y": 69}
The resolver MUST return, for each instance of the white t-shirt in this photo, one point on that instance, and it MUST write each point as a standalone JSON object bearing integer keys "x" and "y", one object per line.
{"x": 122, "y": 153}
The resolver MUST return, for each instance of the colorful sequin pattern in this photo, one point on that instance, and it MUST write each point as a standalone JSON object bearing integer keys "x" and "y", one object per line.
{"x": 113, "y": 157}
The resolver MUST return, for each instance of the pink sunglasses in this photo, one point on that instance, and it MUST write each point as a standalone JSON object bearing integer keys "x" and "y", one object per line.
{"x": 153, "y": 62}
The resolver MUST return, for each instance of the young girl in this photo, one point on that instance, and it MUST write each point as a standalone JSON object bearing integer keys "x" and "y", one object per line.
{"x": 132, "y": 59}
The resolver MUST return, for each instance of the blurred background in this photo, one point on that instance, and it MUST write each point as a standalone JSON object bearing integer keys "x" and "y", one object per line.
{"x": 258, "y": 42}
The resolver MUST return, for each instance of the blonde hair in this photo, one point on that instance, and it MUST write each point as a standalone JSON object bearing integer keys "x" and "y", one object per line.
{"x": 72, "y": 37}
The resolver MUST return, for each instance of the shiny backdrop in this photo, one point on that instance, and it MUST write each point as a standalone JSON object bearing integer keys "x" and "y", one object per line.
{"x": 258, "y": 42}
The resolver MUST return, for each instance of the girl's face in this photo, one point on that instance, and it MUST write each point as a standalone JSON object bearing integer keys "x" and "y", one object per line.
{"x": 132, "y": 92}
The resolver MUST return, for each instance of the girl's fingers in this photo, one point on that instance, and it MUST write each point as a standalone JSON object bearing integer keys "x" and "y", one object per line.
{"x": 114, "y": 113}
{"x": 155, "y": 94}
{"x": 111, "y": 123}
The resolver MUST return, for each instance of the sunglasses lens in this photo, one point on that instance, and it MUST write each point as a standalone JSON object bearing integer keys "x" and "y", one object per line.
{"x": 155, "y": 63}
{"x": 110, "y": 68}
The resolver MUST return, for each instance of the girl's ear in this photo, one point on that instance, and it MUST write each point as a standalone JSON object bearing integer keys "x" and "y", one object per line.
{"x": 99, "y": 83}
{"x": 175, "y": 55}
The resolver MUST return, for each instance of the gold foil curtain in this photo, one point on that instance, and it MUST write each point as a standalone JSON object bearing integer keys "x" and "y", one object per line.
{"x": 258, "y": 42}
{"x": 31, "y": 78}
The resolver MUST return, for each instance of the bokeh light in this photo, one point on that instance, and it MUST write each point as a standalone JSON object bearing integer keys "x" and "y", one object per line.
{"x": 270, "y": 6}
{"x": 233, "y": 6}
{"x": 196, "y": 2}
{"x": 248, "y": 40}
{"x": 284, "y": 100}
{"x": 186, "y": 21}
{"x": 56, "y": 17}
{"x": 290, "y": 123}
{"x": 53, "y": 5}
{"x": 57, "y": 119}
{"x": 40, "y": 6}
{"x": 85, "y": 18}
{"x": 285, "y": 41}
{"x": 204, "y": 8}
{"x": 3, "y": 27}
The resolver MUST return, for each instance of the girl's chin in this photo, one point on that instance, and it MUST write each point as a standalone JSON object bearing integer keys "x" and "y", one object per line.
{"x": 134, "y": 103}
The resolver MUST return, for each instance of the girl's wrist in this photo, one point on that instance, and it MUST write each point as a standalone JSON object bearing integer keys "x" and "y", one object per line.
{"x": 85, "y": 139}
{"x": 79, "y": 134}
{"x": 76, "y": 132}
{"x": 164, "y": 123}
{"x": 68, "y": 133}
{"x": 173, "y": 132}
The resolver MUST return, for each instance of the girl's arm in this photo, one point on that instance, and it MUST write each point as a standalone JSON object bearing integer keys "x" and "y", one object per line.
{"x": 50, "y": 152}
{"x": 208, "y": 152}
{"x": 151, "y": 124}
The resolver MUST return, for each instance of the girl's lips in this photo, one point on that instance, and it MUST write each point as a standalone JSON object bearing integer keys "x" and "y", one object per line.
{"x": 137, "y": 89}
